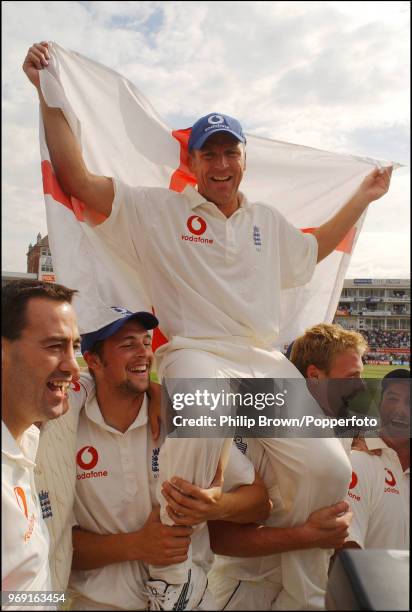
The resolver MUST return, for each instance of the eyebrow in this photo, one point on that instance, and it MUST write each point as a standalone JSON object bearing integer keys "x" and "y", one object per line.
{"x": 146, "y": 335}
{"x": 233, "y": 147}
{"x": 59, "y": 339}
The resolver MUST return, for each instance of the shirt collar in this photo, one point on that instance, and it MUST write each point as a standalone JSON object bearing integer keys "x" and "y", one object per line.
{"x": 375, "y": 443}
{"x": 23, "y": 450}
{"x": 93, "y": 414}
{"x": 196, "y": 199}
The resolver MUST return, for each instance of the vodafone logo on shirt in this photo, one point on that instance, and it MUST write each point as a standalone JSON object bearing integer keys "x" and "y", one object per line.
{"x": 87, "y": 458}
{"x": 21, "y": 500}
{"x": 22, "y": 503}
{"x": 197, "y": 227}
{"x": 391, "y": 481}
{"x": 354, "y": 480}
{"x": 352, "y": 485}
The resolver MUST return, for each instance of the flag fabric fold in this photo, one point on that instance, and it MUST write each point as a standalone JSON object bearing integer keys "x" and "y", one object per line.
{"x": 121, "y": 135}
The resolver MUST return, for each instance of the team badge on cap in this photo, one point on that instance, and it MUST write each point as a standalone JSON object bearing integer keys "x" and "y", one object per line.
{"x": 210, "y": 124}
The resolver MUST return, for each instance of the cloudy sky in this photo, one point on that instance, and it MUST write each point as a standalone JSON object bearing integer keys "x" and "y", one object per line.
{"x": 331, "y": 75}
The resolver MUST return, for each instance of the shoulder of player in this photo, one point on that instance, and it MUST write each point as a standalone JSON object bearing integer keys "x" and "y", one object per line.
{"x": 160, "y": 195}
{"x": 266, "y": 212}
{"x": 86, "y": 381}
{"x": 263, "y": 207}
{"x": 364, "y": 463}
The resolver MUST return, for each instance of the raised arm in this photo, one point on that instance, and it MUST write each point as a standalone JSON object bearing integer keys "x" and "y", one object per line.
{"x": 330, "y": 234}
{"x": 96, "y": 192}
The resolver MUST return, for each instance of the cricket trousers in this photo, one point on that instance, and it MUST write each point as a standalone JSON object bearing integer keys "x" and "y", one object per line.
{"x": 312, "y": 473}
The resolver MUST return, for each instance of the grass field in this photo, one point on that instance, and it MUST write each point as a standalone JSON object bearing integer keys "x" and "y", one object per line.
{"x": 81, "y": 362}
{"x": 379, "y": 371}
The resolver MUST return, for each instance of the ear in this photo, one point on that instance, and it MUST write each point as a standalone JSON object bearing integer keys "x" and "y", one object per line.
{"x": 93, "y": 360}
{"x": 191, "y": 162}
{"x": 313, "y": 372}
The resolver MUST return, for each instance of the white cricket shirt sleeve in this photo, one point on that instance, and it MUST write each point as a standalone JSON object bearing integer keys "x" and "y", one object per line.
{"x": 298, "y": 253}
{"x": 239, "y": 471}
{"x": 360, "y": 497}
{"x": 79, "y": 391}
{"x": 124, "y": 228}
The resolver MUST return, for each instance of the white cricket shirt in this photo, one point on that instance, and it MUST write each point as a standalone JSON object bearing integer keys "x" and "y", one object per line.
{"x": 379, "y": 498}
{"x": 25, "y": 540}
{"x": 209, "y": 276}
{"x": 117, "y": 477}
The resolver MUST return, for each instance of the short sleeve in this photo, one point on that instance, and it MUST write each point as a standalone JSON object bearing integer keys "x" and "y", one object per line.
{"x": 359, "y": 498}
{"x": 79, "y": 391}
{"x": 124, "y": 229}
{"x": 239, "y": 471}
{"x": 298, "y": 255}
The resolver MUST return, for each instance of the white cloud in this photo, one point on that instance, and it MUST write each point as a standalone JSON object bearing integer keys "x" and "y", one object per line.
{"x": 332, "y": 75}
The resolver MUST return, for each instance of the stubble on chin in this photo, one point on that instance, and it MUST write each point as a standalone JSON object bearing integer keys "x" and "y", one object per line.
{"x": 129, "y": 388}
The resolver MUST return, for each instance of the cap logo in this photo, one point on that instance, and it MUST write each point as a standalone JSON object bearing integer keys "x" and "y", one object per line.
{"x": 196, "y": 225}
{"x": 120, "y": 309}
{"x": 215, "y": 119}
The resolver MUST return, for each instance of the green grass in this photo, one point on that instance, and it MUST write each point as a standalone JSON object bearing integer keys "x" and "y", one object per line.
{"x": 379, "y": 371}
{"x": 81, "y": 362}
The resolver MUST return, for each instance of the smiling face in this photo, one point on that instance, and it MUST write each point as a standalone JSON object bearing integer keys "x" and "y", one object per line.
{"x": 343, "y": 381}
{"x": 395, "y": 413}
{"x": 219, "y": 166}
{"x": 39, "y": 365}
{"x": 347, "y": 364}
{"x": 125, "y": 361}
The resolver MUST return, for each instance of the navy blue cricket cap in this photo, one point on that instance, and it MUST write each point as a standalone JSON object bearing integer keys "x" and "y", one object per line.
{"x": 393, "y": 376}
{"x": 148, "y": 321}
{"x": 210, "y": 124}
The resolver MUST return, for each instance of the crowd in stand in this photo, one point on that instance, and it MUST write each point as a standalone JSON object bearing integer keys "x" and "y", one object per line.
{"x": 378, "y": 338}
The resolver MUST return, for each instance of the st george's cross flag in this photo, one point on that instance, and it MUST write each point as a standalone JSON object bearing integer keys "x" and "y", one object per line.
{"x": 121, "y": 135}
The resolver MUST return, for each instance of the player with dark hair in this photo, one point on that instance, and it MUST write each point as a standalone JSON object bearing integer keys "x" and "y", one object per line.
{"x": 39, "y": 340}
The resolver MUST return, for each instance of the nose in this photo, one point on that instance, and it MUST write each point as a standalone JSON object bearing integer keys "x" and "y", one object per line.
{"x": 69, "y": 362}
{"x": 143, "y": 349}
{"x": 221, "y": 161}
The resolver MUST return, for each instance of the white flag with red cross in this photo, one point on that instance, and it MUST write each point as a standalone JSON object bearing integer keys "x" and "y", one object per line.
{"x": 121, "y": 135}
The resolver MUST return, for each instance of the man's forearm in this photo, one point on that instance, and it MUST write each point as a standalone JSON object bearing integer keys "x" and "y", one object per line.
{"x": 93, "y": 550}
{"x": 331, "y": 233}
{"x": 96, "y": 192}
{"x": 373, "y": 187}
{"x": 65, "y": 153}
{"x": 249, "y": 503}
{"x": 254, "y": 540}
